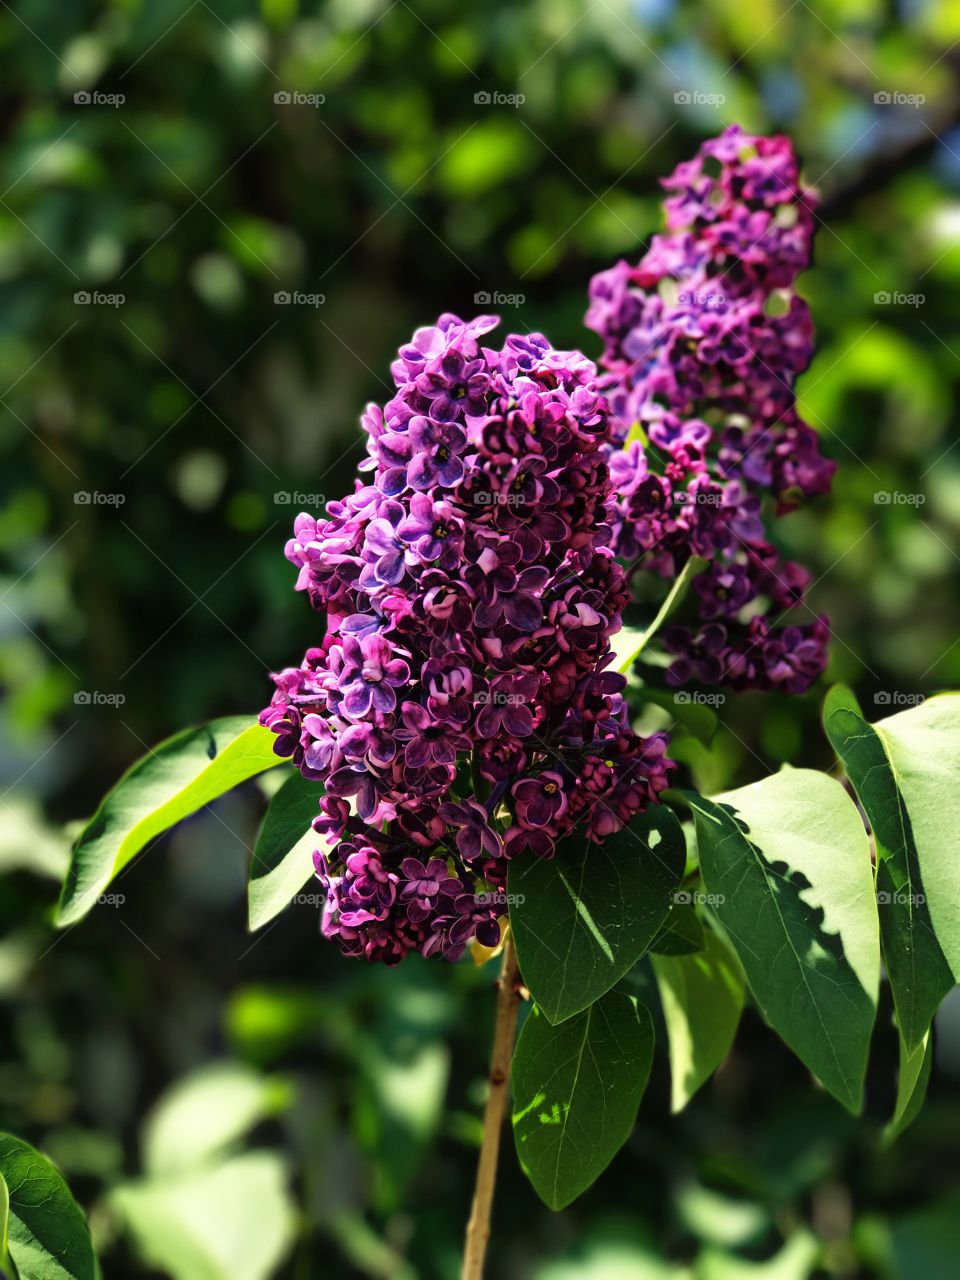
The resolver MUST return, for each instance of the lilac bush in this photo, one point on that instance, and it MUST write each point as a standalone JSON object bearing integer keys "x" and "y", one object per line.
{"x": 703, "y": 341}
{"x": 459, "y": 710}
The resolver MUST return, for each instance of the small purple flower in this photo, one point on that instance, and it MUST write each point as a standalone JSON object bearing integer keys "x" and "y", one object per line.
{"x": 429, "y": 741}
{"x": 507, "y": 706}
{"x": 540, "y": 801}
{"x": 370, "y": 676}
{"x": 475, "y": 836}
{"x": 435, "y": 459}
{"x": 432, "y": 529}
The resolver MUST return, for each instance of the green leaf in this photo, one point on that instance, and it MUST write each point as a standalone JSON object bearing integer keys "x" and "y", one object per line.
{"x": 576, "y": 1090}
{"x": 6, "y": 1262}
{"x": 580, "y": 920}
{"x": 283, "y": 857}
{"x": 702, "y": 998}
{"x": 923, "y": 746}
{"x": 696, "y": 716}
{"x": 234, "y": 1221}
{"x": 914, "y": 1077}
{"x": 173, "y": 781}
{"x": 919, "y": 974}
{"x": 204, "y": 1114}
{"x": 788, "y": 865}
{"x": 682, "y": 932}
{"x": 47, "y": 1234}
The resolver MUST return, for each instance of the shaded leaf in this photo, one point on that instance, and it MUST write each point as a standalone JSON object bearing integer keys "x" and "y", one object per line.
{"x": 788, "y": 864}
{"x": 580, "y": 920}
{"x": 576, "y": 1090}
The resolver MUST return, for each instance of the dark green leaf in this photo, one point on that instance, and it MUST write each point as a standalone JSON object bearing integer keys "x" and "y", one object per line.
{"x": 583, "y": 918}
{"x": 919, "y": 974}
{"x": 173, "y": 781}
{"x": 788, "y": 865}
{"x": 48, "y": 1238}
{"x": 576, "y": 1090}
{"x": 702, "y": 997}
{"x": 682, "y": 932}
{"x": 283, "y": 857}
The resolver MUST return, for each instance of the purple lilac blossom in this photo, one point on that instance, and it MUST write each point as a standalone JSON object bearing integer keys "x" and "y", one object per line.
{"x": 458, "y": 710}
{"x": 704, "y": 339}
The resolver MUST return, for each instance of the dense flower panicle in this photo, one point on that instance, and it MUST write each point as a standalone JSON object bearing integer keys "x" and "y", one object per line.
{"x": 458, "y": 710}
{"x": 704, "y": 339}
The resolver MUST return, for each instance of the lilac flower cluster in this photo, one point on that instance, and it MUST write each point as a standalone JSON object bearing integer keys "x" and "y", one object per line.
{"x": 704, "y": 339}
{"x": 459, "y": 710}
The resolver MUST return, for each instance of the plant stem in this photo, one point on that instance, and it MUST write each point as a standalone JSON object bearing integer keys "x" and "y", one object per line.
{"x": 689, "y": 570}
{"x": 478, "y": 1228}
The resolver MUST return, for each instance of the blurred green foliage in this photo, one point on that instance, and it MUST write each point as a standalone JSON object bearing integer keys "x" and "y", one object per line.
{"x": 199, "y": 398}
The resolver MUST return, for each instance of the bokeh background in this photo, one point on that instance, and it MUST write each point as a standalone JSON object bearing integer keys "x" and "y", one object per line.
{"x": 378, "y": 162}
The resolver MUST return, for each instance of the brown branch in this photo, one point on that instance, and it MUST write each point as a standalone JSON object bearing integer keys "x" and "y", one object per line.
{"x": 478, "y": 1228}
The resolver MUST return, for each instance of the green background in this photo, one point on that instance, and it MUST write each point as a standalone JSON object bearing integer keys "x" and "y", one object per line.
{"x": 200, "y": 398}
